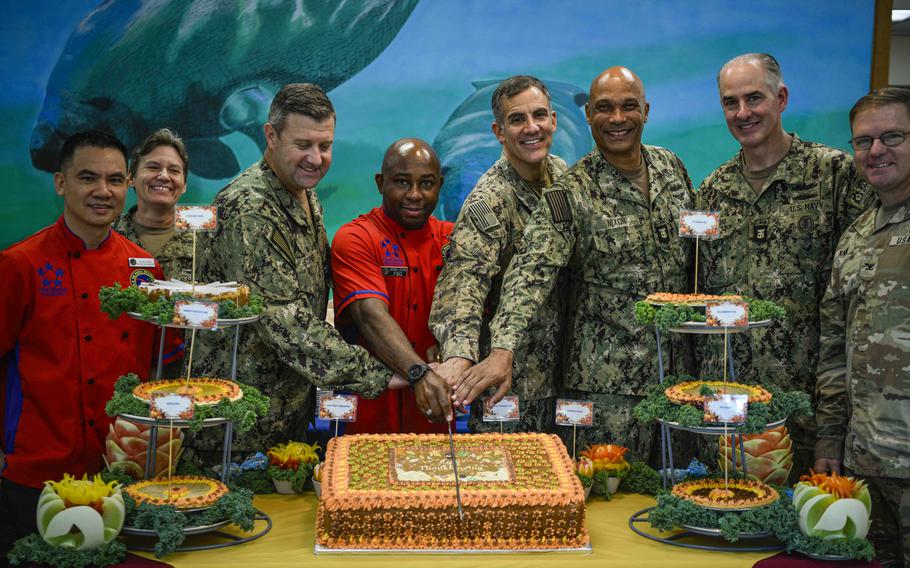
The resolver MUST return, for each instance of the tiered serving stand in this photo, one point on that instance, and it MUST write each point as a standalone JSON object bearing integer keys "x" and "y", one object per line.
{"x": 666, "y": 454}
{"x": 211, "y": 531}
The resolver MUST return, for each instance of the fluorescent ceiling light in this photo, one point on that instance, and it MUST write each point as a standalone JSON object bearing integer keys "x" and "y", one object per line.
{"x": 900, "y": 15}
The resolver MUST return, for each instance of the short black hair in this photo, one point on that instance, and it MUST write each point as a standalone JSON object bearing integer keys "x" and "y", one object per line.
{"x": 92, "y": 138}
{"x": 307, "y": 99}
{"x": 512, "y": 86}
{"x": 882, "y": 97}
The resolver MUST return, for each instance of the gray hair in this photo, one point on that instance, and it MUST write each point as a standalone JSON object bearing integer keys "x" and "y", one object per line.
{"x": 163, "y": 137}
{"x": 774, "y": 78}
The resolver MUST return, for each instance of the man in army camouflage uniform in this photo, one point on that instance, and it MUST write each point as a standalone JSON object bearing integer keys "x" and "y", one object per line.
{"x": 783, "y": 203}
{"x": 487, "y": 234}
{"x": 863, "y": 382}
{"x": 158, "y": 169}
{"x": 611, "y": 222}
{"x": 271, "y": 236}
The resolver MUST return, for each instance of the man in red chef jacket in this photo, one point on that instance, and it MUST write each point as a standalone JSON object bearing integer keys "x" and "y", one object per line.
{"x": 59, "y": 354}
{"x": 384, "y": 266}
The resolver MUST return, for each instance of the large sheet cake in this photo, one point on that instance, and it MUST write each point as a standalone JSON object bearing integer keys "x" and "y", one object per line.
{"x": 397, "y": 491}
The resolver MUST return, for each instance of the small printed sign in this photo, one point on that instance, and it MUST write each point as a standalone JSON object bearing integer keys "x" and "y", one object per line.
{"x": 171, "y": 406}
{"x": 729, "y": 408}
{"x": 195, "y": 313}
{"x": 506, "y": 410}
{"x": 727, "y": 314}
{"x": 703, "y": 224}
{"x": 196, "y": 217}
{"x": 574, "y": 412}
{"x": 339, "y": 407}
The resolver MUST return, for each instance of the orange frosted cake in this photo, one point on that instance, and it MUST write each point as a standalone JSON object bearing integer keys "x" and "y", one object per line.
{"x": 397, "y": 491}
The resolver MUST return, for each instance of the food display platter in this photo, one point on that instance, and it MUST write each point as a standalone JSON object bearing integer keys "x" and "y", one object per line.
{"x": 319, "y": 549}
{"x": 718, "y": 430}
{"x": 716, "y": 532}
{"x": 825, "y": 557}
{"x": 699, "y": 327}
{"x": 220, "y": 323}
{"x": 133, "y": 531}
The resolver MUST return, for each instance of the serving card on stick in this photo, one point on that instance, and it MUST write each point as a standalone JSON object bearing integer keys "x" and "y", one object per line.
{"x": 574, "y": 413}
{"x": 700, "y": 225}
{"x": 506, "y": 410}
{"x": 196, "y": 218}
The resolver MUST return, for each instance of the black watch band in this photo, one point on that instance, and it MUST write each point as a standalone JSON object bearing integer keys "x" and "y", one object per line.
{"x": 417, "y": 372}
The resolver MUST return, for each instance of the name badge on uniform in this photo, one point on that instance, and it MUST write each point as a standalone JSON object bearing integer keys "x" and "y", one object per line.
{"x": 899, "y": 240}
{"x": 760, "y": 233}
{"x": 142, "y": 262}
{"x": 399, "y": 271}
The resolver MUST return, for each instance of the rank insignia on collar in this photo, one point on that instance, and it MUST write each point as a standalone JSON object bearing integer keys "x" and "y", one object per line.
{"x": 867, "y": 270}
{"x": 558, "y": 201}
{"x": 760, "y": 233}
{"x": 663, "y": 233}
{"x": 483, "y": 216}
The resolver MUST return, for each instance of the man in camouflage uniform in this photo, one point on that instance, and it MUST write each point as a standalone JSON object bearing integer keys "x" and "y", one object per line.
{"x": 487, "y": 234}
{"x": 611, "y": 223}
{"x": 863, "y": 382}
{"x": 783, "y": 203}
{"x": 271, "y": 236}
{"x": 158, "y": 170}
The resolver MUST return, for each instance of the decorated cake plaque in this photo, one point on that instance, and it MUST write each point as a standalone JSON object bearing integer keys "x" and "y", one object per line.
{"x": 479, "y": 464}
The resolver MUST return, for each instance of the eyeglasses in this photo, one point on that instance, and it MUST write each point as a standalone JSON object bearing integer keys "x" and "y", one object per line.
{"x": 893, "y": 138}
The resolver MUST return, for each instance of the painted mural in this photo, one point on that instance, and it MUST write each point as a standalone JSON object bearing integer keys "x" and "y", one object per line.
{"x": 393, "y": 68}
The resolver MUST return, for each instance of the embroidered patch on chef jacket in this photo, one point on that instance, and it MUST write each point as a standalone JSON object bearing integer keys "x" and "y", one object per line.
{"x": 139, "y": 276}
{"x": 558, "y": 201}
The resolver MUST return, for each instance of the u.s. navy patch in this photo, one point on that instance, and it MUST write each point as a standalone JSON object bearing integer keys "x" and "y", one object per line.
{"x": 859, "y": 196}
{"x": 139, "y": 276}
{"x": 897, "y": 240}
{"x": 483, "y": 216}
{"x": 759, "y": 233}
{"x": 558, "y": 201}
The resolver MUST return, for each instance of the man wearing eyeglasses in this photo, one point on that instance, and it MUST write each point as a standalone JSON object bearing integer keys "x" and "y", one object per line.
{"x": 783, "y": 204}
{"x": 863, "y": 383}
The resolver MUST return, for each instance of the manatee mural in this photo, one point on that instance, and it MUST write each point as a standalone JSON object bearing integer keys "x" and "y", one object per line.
{"x": 467, "y": 147}
{"x": 205, "y": 68}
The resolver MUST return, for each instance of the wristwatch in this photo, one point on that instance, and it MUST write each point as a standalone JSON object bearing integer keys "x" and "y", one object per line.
{"x": 417, "y": 372}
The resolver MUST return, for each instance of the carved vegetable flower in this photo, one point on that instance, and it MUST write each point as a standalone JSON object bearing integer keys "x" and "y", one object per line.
{"x": 292, "y": 454}
{"x": 584, "y": 466}
{"x": 80, "y": 514}
{"x": 832, "y": 506}
{"x": 607, "y": 457}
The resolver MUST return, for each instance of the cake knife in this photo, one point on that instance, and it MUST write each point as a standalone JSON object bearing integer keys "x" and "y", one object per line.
{"x": 455, "y": 470}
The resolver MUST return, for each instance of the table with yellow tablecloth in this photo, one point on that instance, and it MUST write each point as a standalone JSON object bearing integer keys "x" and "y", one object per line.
{"x": 290, "y": 543}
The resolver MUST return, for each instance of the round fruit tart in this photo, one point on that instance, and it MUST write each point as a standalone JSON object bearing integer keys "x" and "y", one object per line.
{"x": 735, "y": 494}
{"x": 690, "y": 392}
{"x": 205, "y": 391}
{"x": 182, "y": 492}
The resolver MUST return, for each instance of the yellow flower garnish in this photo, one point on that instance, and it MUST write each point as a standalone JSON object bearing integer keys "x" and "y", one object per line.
{"x": 75, "y": 492}
{"x": 292, "y": 454}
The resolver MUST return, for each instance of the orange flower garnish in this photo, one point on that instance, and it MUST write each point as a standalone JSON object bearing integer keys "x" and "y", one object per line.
{"x": 834, "y": 484}
{"x": 607, "y": 457}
